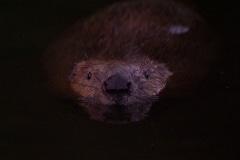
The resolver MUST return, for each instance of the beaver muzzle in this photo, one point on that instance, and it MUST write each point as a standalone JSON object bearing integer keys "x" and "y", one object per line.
{"x": 117, "y": 85}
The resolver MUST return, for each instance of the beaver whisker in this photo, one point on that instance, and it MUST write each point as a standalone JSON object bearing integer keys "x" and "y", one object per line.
{"x": 87, "y": 85}
{"x": 141, "y": 97}
{"x": 151, "y": 83}
{"x": 142, "y": 90}
{"x": 97, "y": 78}
{"x": 144, "y": 100}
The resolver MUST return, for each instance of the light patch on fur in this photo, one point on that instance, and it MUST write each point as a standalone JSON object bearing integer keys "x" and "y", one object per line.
{"x": 178, "y": 29}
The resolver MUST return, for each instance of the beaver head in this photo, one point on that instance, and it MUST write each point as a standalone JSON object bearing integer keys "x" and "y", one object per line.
{"x": 118, "y": 91}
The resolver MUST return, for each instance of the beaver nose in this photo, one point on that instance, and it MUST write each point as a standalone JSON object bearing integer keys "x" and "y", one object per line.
{"x": 117, "y": 85}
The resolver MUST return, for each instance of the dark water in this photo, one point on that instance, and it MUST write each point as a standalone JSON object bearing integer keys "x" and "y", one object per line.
{"x": 34, "y": 125}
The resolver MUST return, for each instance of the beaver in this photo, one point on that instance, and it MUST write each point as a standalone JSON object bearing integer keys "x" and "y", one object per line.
{"x": 127, "y": 56}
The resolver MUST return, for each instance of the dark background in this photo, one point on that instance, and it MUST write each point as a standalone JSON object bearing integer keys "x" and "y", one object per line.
{"x": 33, "y": 125}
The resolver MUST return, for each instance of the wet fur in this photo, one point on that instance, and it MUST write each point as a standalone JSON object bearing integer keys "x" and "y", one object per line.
{"x": 141, "y": 35}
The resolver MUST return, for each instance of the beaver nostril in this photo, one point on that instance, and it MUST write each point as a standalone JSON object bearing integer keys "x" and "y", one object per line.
{"x": 129, "y": 85}
{"x": 117, "y": 85}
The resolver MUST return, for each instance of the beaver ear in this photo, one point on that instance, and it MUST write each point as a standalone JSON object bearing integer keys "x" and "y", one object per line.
{"x": 82, "y": 63}
{"x": 75, "y": 69}
{"x": 73, "y": 73}
{"x": 163, "y": 71}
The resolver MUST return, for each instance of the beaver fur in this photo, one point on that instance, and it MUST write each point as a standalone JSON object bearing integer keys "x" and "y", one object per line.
{"x": 119, "y": 60}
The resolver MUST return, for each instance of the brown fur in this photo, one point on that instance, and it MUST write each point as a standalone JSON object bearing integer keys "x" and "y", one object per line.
{"x": 131, "y": 39}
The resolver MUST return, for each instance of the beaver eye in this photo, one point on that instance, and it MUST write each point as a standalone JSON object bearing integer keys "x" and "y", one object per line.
{"x": 89, "y": 76}
{"x": 145, "y": 73}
